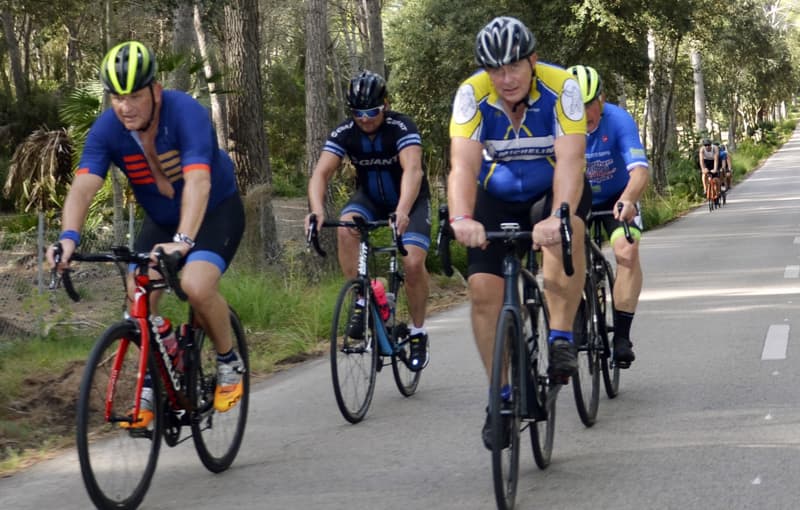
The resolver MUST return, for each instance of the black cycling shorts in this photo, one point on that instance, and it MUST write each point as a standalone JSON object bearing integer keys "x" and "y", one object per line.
{"x": 217, "y": 240}
{"x": 418, "y": 232}
{"x": 491, "y": 212}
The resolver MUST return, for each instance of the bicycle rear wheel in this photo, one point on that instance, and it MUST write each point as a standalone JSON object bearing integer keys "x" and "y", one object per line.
{"x": 504, "y": 415}
{"x": 217, "y": 436}
{"x": 354, "y": 361}
{"x": 586, "y": 381}
{"x": 605, "y": 314}
{"x": 117, "y": 464}
{"x": 398, "y": 326}
{"x": 542, "y": 430}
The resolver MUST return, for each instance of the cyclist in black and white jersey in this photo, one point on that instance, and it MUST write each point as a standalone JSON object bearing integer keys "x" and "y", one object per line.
{"x": 385, "y": 148}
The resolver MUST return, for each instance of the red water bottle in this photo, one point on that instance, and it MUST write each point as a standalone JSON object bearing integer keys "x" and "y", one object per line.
{"x": 380, "y": 298}
{"x": 170, "y": 340}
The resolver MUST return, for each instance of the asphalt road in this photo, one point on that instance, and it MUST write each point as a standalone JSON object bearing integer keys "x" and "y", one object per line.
{"x": 708, "y": 417}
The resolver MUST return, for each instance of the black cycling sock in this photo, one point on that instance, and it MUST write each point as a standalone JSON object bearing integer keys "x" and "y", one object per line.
{"x": 227, "y": 357}
{"x": 622, "y": 324}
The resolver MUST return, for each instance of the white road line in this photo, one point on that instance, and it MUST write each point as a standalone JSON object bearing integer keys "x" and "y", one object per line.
{"x": 791, "y": 272}
{"x": 776, "y": 342}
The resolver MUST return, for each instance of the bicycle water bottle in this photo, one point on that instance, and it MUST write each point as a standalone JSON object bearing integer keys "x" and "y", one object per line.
{"x": 380, "y": 298}
{"x": 167, "y": 336}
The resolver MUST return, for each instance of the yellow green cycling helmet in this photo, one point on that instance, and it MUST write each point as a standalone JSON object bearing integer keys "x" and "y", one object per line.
{"x": 589, "y": 81}
{"x": 128, "y": 67}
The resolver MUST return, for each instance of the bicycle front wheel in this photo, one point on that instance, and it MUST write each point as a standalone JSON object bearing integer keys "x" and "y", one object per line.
{"x": 354, "y": 355}
{"x": 217, "y": 436}
{"x": 586, "y": 381}
{"x": 406, "y": 380}
{"x": 605, "y": 313}
{"x": 543, "y": 429}
{"x": 504, "y": 415}
{"x": 117, "y": 464}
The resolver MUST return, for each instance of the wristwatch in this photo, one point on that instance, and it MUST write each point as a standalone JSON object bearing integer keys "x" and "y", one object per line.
{"x": 180, "y": 237}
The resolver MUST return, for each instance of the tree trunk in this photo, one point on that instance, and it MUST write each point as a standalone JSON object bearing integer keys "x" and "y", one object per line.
{"x": 376, "y": 59}
{"x": 182, "y": 44}
{"x": 209, "y": 64}
{"x": 699, "y": 92}
{"x": 661, "y": 117}
{"x": 247, "y": 137}
{"x": 12, "y": 48}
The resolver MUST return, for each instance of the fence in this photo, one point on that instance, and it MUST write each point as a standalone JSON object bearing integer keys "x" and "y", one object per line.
{"x": 28, "y": 308}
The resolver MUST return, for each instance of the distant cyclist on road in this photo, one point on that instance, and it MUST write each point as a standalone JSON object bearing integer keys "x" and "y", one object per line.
{"x": 726, "y": 167}
{"x": 518, "y": 137}
{"x": 616, "y": 167}
{"x": 164, "y": 142}
{"x": 709, "y": 164}
{"x": 386, "y": 149}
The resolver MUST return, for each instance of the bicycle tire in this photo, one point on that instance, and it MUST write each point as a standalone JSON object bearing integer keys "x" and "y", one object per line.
{"x": 605, "y": 314}
{"x": 586, "y": 381}
{"x": 398, "y": 327}
{"x": 217, "y": 436}
{"x": 117, "y": 464}
{"x": 354, "y": 362}
{"x": 542, "y": 431}
{"x": 502, "y": 413}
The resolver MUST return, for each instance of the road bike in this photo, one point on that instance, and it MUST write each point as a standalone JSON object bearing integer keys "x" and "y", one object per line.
{"x": 118, "y": 459}
{"x": 594, "y": 324}
{"x": 713, "y": 192}
{"x": 520, "y": 358}
{"x": 356, "y": 359}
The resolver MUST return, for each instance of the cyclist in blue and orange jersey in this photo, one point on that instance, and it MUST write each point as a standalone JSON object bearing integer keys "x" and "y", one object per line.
{"x": 518, "y": 138}
{"x": 164, "y": 142}
{"x": 385, "y": 148}
{"x": 617, "y": 170}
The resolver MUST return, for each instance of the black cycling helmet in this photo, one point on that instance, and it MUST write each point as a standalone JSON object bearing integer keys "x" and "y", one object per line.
{"x": 589, "y": 82}
{"x": 504, "y": 40}
{"x": 706, "y": 141}
{"x": 128, "y": 67}
{"x": 367, "y": 90}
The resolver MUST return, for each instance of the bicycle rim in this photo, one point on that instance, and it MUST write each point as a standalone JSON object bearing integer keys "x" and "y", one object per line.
{"x": 398, "y": 326}
{"x": 605, "y": 301}
{"x": 217, "y": 436}
{"x": 586, "y": 381}
{"x": 117, "y": 464}
{"x": 505, "y": 418}
{"x": 353, "y": 361}
{"x": 542, "y": 431}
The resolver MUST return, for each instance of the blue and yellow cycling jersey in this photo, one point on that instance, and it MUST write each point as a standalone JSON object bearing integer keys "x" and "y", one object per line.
{"x": 518, "y": 165}
{"x": 185, "y": 142}
{"x": 612, "y": 151}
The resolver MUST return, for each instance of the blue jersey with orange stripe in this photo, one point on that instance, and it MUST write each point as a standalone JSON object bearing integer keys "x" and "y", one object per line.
{"x": 185, "y": 142}
{"x": 518, "y": 164}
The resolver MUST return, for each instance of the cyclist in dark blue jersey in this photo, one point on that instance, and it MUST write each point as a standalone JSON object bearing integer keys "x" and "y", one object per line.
{"x": 385, "y": 148}
{"x": 165, "y": 144}
{"x": 617, "y": 170}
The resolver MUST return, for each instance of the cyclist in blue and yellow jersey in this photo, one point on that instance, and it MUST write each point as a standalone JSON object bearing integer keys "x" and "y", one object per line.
{"x": 164, "y": 142}
{"x": 518, "y": 137}
{"x": 617, "y": 170}
{"x": 725, "y": 166}
{"x": 385, "y": 148}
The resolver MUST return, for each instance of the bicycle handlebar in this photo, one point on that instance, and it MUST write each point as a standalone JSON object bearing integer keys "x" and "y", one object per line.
{"x": 167, "y": 266}
{"x": 358, "y": 223}
{"x": 446, "y": 235}
{"x": 626, "y": 227}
